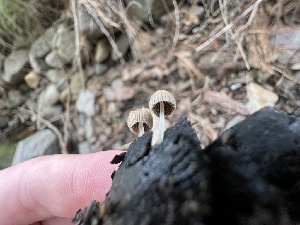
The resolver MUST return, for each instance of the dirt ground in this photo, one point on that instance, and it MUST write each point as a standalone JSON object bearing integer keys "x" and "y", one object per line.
{"x": 207, "y": 60}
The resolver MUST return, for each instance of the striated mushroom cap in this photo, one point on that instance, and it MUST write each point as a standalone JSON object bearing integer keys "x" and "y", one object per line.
{"x": 167, "y": 98}
{"x": 140, "y": 116}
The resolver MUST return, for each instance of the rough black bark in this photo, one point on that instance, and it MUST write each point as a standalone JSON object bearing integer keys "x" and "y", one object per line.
{"x": 249, "y": 175}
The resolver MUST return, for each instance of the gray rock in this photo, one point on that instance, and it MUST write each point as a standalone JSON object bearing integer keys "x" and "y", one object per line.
{"x": 122, "y": 44}
{"x": 3, "y": 121}
{"x": 96, "y": 69}
{"x": 54, "y": 60}
{"x": 109, "y": 94}
{"x": 86, "y": 103}
{"x": 64, "y": 42}
{"x": 57, "y": 77}
{"x": 49, "y": 96}
{"x": 75, "y": 87}
{"x": 285, "y": 46}
{"x": 1, "y": 61}
{"x": 147, "y": 10}
{"x": 38, "y": 65}
{"x": 16, "y": 66}
{"x": 15, "y": 99}
{"x": 102, "y": 50}
{"x": 42, "y": 143}
{"x": 49, "y": 112}
{"x": 87, "y": 25}
{"x": 85, "y": 148}
{"x": 42, "y": 46}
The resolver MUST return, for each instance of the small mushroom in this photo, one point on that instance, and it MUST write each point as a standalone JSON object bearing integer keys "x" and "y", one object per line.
{"x": 162, "y": 103}
{"x": 140, "y": 121}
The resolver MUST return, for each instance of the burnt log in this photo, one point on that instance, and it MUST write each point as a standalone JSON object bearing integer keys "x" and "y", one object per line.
{"x": 249, "y": 175}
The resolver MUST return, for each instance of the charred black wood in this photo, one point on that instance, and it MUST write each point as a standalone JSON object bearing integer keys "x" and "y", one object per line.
{"x": 249, "y": 175}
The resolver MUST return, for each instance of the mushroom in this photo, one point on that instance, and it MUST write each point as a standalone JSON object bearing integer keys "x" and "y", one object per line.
{"x": 140, "y": 121}
{"x": 162, "y": 103}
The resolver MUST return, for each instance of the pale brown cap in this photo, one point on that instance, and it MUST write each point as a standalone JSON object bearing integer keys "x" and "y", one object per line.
{"x": 140, "y": 115}
{"x": 167, "y": 98}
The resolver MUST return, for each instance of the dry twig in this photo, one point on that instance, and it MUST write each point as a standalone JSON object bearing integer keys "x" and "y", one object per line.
{"x": 61, "y": 141}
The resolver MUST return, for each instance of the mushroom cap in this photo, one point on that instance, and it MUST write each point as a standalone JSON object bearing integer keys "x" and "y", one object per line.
{"x": 167, "y": 98}
{"x": 140, "y": 116}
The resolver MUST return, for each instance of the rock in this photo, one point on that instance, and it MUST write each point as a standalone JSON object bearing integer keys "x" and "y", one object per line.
{"x": 285, "y": 45}
{"x": 85, "y": 148}
{"x": 57, "y": 77}
{"x": 259, "y": 97}
{"x": 42, "y": 143}
{"x": 75, "y": 86}
{"x": 50, "y": 96}
{"x": 64, "y": 43}
{"x": 86, "y": 103}
{"x": 54, "y": 60}
{"x": 47, "y": 101}
{"x": 122, "y": 44}
{"x": 296, "y": 66}
{"x": 124, "y": 93}
{"x": 96, "y": 69}
{"x": 42, "y": 46}
{"x": 89, "y": 128}
{"x": 32, "y": 80}
{"x": 102, "y": 50}
{"x": 87, "y": 25}
{"x": 1, "y": 61}
{"x": 49, "y": 112}
{"x": 109, "y": 94}
{"x": 16, "y": 66}
{"x": 147, "y": 11}
{"x": 4, "y": 119}
{"x": 15, "y": 99}
{"x": 249, "y": 175}
{"x": 38, "y": 65}
{"x": 290, "y": 87}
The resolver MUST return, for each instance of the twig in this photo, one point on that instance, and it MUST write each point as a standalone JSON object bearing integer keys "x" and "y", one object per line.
{"x": 286, "y": 75}
{"x": 177, "y": 24}
{"x": 77, "y": 42}
{"x": 62, "y": 144}
{"x": 228, "y": 27}
{"x": 105, "y": 32}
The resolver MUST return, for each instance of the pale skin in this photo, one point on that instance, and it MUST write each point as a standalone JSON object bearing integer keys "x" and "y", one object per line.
{"x": 48, "y": 190}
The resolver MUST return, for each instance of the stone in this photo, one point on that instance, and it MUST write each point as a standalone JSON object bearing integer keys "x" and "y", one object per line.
{"x": 102, "y": 50}
{"x": 38, "y": 65}
{"x": 42, "y": 46}
{"x": 15, "y": 99}
{"x": 49, "y": 96}
{"x": 296, "y": 66}
{"x": 122, "y": 44}
{"x": 54, "y": 60}
{"x": 86, "y": 23}
{"x": 75, "y": 86}
{"x": 3, "y": 121}
{"x": 49, "y": 111}
{"x": 148, "y": 11}
{"x": 96, "y": 69}
{"x": 85, "y": 148}
{"x": 43, "y": 142}
{"x": 57, "y": 77}
{"x": 16, "y": 66}
{"x": 86, "y": 103}
{"x": 109, "y": 94}
{"x": 64, "y": 43}
{"x": 32, "y": 80}
{"x": 285, "y": 45}
{"x": 259, "y": 97}
{"x": 2, "y": 57}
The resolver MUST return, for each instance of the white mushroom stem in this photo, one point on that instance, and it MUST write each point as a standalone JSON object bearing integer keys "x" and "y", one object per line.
{"x": 141, "y": 129}
{"x": 161, "y": 125}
